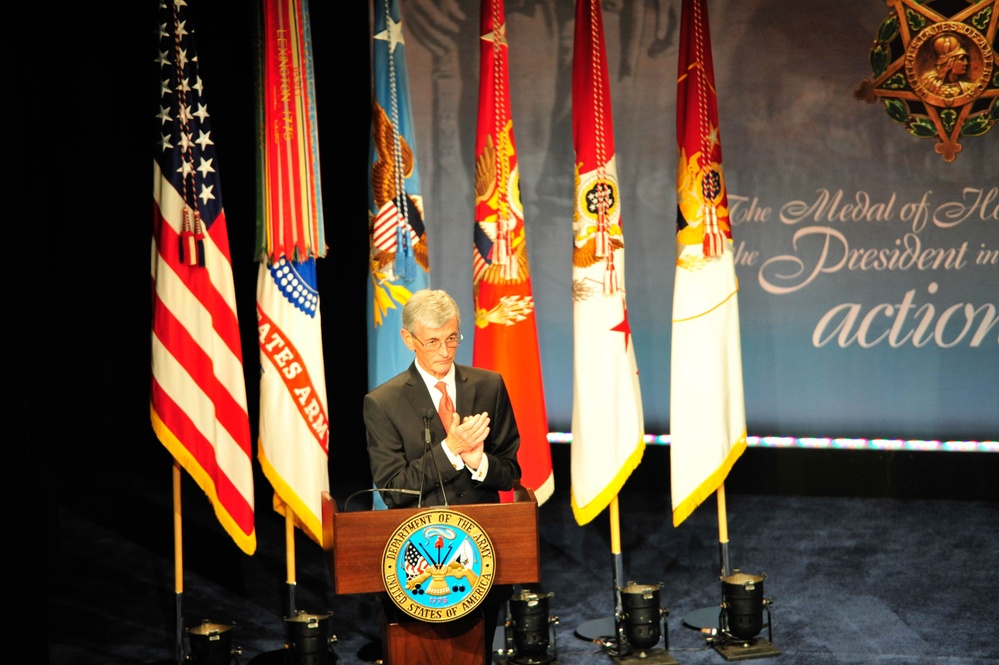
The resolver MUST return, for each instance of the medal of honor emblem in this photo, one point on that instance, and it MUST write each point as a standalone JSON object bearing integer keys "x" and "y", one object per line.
{"x": 934, "y": 70}
{"x": 438, "y": 566}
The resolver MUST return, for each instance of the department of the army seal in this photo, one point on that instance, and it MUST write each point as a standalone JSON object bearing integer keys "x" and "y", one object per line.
{"x": 438, "y": 565}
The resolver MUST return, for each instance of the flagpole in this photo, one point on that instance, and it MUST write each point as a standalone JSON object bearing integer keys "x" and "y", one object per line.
{"x": 723, "y": 532}
{"x": 178, "y": 563}
{"x": 605, "y": 629}
{"x": 289, "y": 538}
{"x": 706, "y": 619}
{"x": 616, "y": 557}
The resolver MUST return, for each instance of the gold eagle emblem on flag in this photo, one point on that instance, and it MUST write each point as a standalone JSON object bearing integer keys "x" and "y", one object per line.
{"x": 395, "y": 207}
{"x": 700, "y": 192}
{"x": 596, "y": 217}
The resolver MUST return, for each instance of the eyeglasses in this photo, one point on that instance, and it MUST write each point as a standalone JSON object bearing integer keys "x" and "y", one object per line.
{"x": 431, "y": 345}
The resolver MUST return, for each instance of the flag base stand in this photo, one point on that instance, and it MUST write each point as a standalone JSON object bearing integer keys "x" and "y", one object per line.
{"x": 290, "y": 657}
{"x": 370, "y": 652}
{"x": 277, "y": 657}
{"x": 597, "y": 630}
{"x": 704, "y": 620}
{"x": 309, "y": 642}
{"x": 746, "y": 649}
{"x": 649, "y": 657}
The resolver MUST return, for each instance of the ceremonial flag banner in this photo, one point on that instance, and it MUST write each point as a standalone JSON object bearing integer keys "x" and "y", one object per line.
{"x": 294, "y": 425}
{"x": 506, "y": 335}
{"x": 198, "y": 395}
{"x": 289, "y": 164}
{"x": 707, "y": 408}
{"x": 607, "y": 422}
{"x": 398, "y": 258}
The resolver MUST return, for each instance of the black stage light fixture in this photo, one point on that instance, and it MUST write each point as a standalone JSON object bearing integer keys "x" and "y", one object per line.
{"x": 309, "y": 639}
{"x": 641, "y": 624}
{"x": 211, "y": 644}
{"x": 741, "y": 619}
{"x": 533, "y": 629}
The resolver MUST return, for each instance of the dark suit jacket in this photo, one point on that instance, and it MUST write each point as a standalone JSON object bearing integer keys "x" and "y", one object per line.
{"x": 393, "y": 416}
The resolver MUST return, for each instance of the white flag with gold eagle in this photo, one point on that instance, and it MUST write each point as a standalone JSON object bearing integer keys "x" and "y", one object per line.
{"x": 608, "y": 431}
{"x": 707, "y": 408}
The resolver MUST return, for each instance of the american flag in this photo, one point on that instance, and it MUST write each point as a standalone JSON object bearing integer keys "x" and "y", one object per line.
{"x": 198, "y": 394}
{"x": 414, "y": 562}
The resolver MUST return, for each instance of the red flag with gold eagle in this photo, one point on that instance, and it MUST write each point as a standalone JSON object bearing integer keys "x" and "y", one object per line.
{"x": 607, "y": 422}
{"x": 506, "y": 335}
{"x": 707, "y": 407}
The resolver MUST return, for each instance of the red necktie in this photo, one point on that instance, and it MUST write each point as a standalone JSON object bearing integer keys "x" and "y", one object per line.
{"x": 446, "y": 407}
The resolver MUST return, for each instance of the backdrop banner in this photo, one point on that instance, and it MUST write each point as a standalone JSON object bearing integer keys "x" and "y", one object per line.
{"x": 868, "y": 265}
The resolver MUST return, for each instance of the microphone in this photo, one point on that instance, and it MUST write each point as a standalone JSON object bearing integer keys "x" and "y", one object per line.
{"x": 371, "y": 490}
{"x": 428, "y": 415}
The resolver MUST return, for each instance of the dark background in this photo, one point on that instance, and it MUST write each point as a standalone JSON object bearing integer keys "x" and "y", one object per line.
{"x": 84, "y": 94}
{"x": 83, "y": 230}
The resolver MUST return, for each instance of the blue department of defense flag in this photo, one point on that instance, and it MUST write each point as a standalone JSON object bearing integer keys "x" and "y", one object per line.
{"x": 707, "y": 407}
{"x": 198, "y": 394}
{"x": 398, "y": 258}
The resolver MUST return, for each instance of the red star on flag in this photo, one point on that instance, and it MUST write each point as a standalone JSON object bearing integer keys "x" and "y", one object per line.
{"x": 624, "y": 326}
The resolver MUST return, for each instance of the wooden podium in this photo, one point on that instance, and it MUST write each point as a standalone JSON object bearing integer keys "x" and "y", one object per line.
{"x": 354, "y": 543}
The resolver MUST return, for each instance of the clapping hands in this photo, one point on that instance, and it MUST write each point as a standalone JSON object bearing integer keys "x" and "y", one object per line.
{"x": 466, "y": 437}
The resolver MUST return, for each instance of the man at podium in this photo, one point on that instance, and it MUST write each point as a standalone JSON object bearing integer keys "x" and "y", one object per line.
{"x": 446, "y": 431}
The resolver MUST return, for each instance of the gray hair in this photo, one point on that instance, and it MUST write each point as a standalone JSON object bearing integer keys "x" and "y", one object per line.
{"x": 430, "y": 308}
